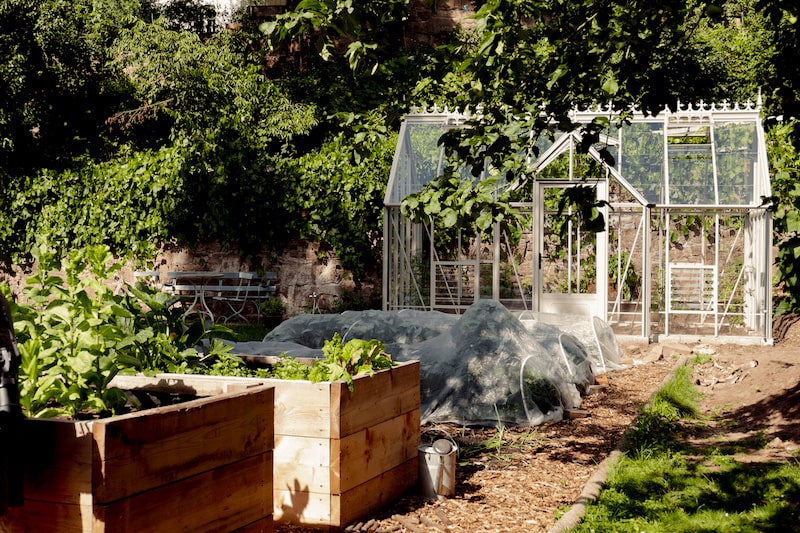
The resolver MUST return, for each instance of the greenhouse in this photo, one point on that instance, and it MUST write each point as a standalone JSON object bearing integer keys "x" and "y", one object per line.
{"x": 685, "y": 248}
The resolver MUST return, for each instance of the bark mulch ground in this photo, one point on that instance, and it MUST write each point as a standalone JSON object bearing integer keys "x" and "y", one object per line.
{"x": 524, "y": 479}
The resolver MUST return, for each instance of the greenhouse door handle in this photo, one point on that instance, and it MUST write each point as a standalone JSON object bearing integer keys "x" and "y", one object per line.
{"x": 540, "y": 260}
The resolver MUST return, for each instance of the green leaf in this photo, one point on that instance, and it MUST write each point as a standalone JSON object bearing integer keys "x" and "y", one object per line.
{"x": 610, "y": 86}
{"x": 449, "y": 217}
{"x": 484, "y": 221}
{"x": 792, "y": 220}
{"x": 433, "y": 207}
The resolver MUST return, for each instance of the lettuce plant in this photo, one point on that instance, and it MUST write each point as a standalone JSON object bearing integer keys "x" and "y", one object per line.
{"x": 76, "y": 330}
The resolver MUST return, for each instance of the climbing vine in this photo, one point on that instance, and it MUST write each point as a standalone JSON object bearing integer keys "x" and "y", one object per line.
{"x": 337, "y": 193}
{"x": 455, "y": 202}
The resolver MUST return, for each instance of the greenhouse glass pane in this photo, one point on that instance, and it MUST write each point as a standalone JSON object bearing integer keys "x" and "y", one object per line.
{"x": 610, "y": 144}
{"x": 585, "y": 167}
{"x": 641, "y": 158}
{"x": 557, "y": 169}
{"x": 691, "y": 176}
{"x": 735, "y": 146}
{"x": 542, "y": 144}
{"x": 418, "y": 159}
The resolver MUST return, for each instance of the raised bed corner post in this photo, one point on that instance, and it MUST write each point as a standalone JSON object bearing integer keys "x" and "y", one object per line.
{"x": 11, "y": 471}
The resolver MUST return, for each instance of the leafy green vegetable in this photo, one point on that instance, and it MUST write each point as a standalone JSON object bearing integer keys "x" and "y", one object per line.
{"x": 225, "y": 364}
{"x": 290, "y": 368}
{"x": 75, "y": 333}
{"x": 70, "y": 337}
{"x": 343, "y": 362}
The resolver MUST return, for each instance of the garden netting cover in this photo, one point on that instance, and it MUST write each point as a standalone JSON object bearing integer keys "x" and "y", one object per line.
{"x": 485, "y": 367}
{"x": 595, "y": 335}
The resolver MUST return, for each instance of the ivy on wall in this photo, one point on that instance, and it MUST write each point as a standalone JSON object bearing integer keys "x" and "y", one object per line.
{"x": 337, "y": 195}
{"x": 785, "y": 163}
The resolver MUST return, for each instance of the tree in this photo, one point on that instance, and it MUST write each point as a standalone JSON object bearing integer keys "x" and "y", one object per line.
{"x": 362, "y": 31}
{"x": 186, "y": 139}
{"x": 56, "y": 91}
{"x": 231, "y": 125}
{"x": 538, "y": 60}
{"x": 783, "y": 16}
{"x": 531, "y": 63}
{"x": 338, "y": 200}
{"x": 154, "y": 125}
{"x": 737, "y": 52}
{"x": 189, "y": 15}
{"x": 783, "y": 101}
{"x": 785, "y": 167}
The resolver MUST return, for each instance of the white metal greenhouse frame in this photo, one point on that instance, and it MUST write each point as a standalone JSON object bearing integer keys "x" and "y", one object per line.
{"x": 687, "y": 245}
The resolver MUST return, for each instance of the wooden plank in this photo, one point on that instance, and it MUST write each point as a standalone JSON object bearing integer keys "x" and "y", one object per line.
{"x": 37, "y": 516}
{"x": 307, "y": 418}
{"x": 139, "y": 451}
{"x": 376, "y": 399}
{"x": 359, "y": 457}
{"x": 58, "y": 460}
{"x": 265, "y": 525}
{"x": 193, "y": 384}
{"x": 361, "y": 501}
{"x": 363, "y": 407}
{"x": 397, "y": 398}
{"x": 302, "y": 408}
{"x": 298, "y": 507}
{"x": 338, "y": 391}
{"x": 302, "y": 464}
{"x": 222, "y": 499}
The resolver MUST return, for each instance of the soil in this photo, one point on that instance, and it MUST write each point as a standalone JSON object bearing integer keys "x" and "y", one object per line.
{"x": 751, "y": 394}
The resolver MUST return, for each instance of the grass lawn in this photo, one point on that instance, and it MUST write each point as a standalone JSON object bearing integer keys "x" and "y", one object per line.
{"x": 663, "y": 484}
{"x": 249, "y": 331}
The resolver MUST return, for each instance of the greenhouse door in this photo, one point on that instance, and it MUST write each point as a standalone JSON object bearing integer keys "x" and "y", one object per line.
{"x": 572, "y": 272}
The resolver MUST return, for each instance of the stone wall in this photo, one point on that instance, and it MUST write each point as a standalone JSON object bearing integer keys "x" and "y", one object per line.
{"x": 304, "y": 270}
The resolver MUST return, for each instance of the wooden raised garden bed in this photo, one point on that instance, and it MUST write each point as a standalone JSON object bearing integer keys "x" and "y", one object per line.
{"x": 339, "y": 455}
{"x": 201, "y": 465}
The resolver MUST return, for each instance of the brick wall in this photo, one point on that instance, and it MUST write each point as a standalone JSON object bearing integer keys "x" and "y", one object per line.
{"x": 429, "y": 26}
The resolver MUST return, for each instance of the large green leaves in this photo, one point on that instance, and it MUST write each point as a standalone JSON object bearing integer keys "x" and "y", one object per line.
{"x": 453, "y": 202}
{"x": 343, "y": 361}
{"x": 76, "y": 333}
{"x": 67, "y": 357}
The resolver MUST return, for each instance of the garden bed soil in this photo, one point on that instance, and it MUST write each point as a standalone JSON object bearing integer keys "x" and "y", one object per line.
{"x": 750, "y": 393}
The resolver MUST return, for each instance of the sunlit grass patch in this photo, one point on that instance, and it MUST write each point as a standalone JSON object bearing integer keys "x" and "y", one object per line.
{"x": 657, "y": 425}
{"x": 668, "y": 493}
{"x": 658, "y": 485}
